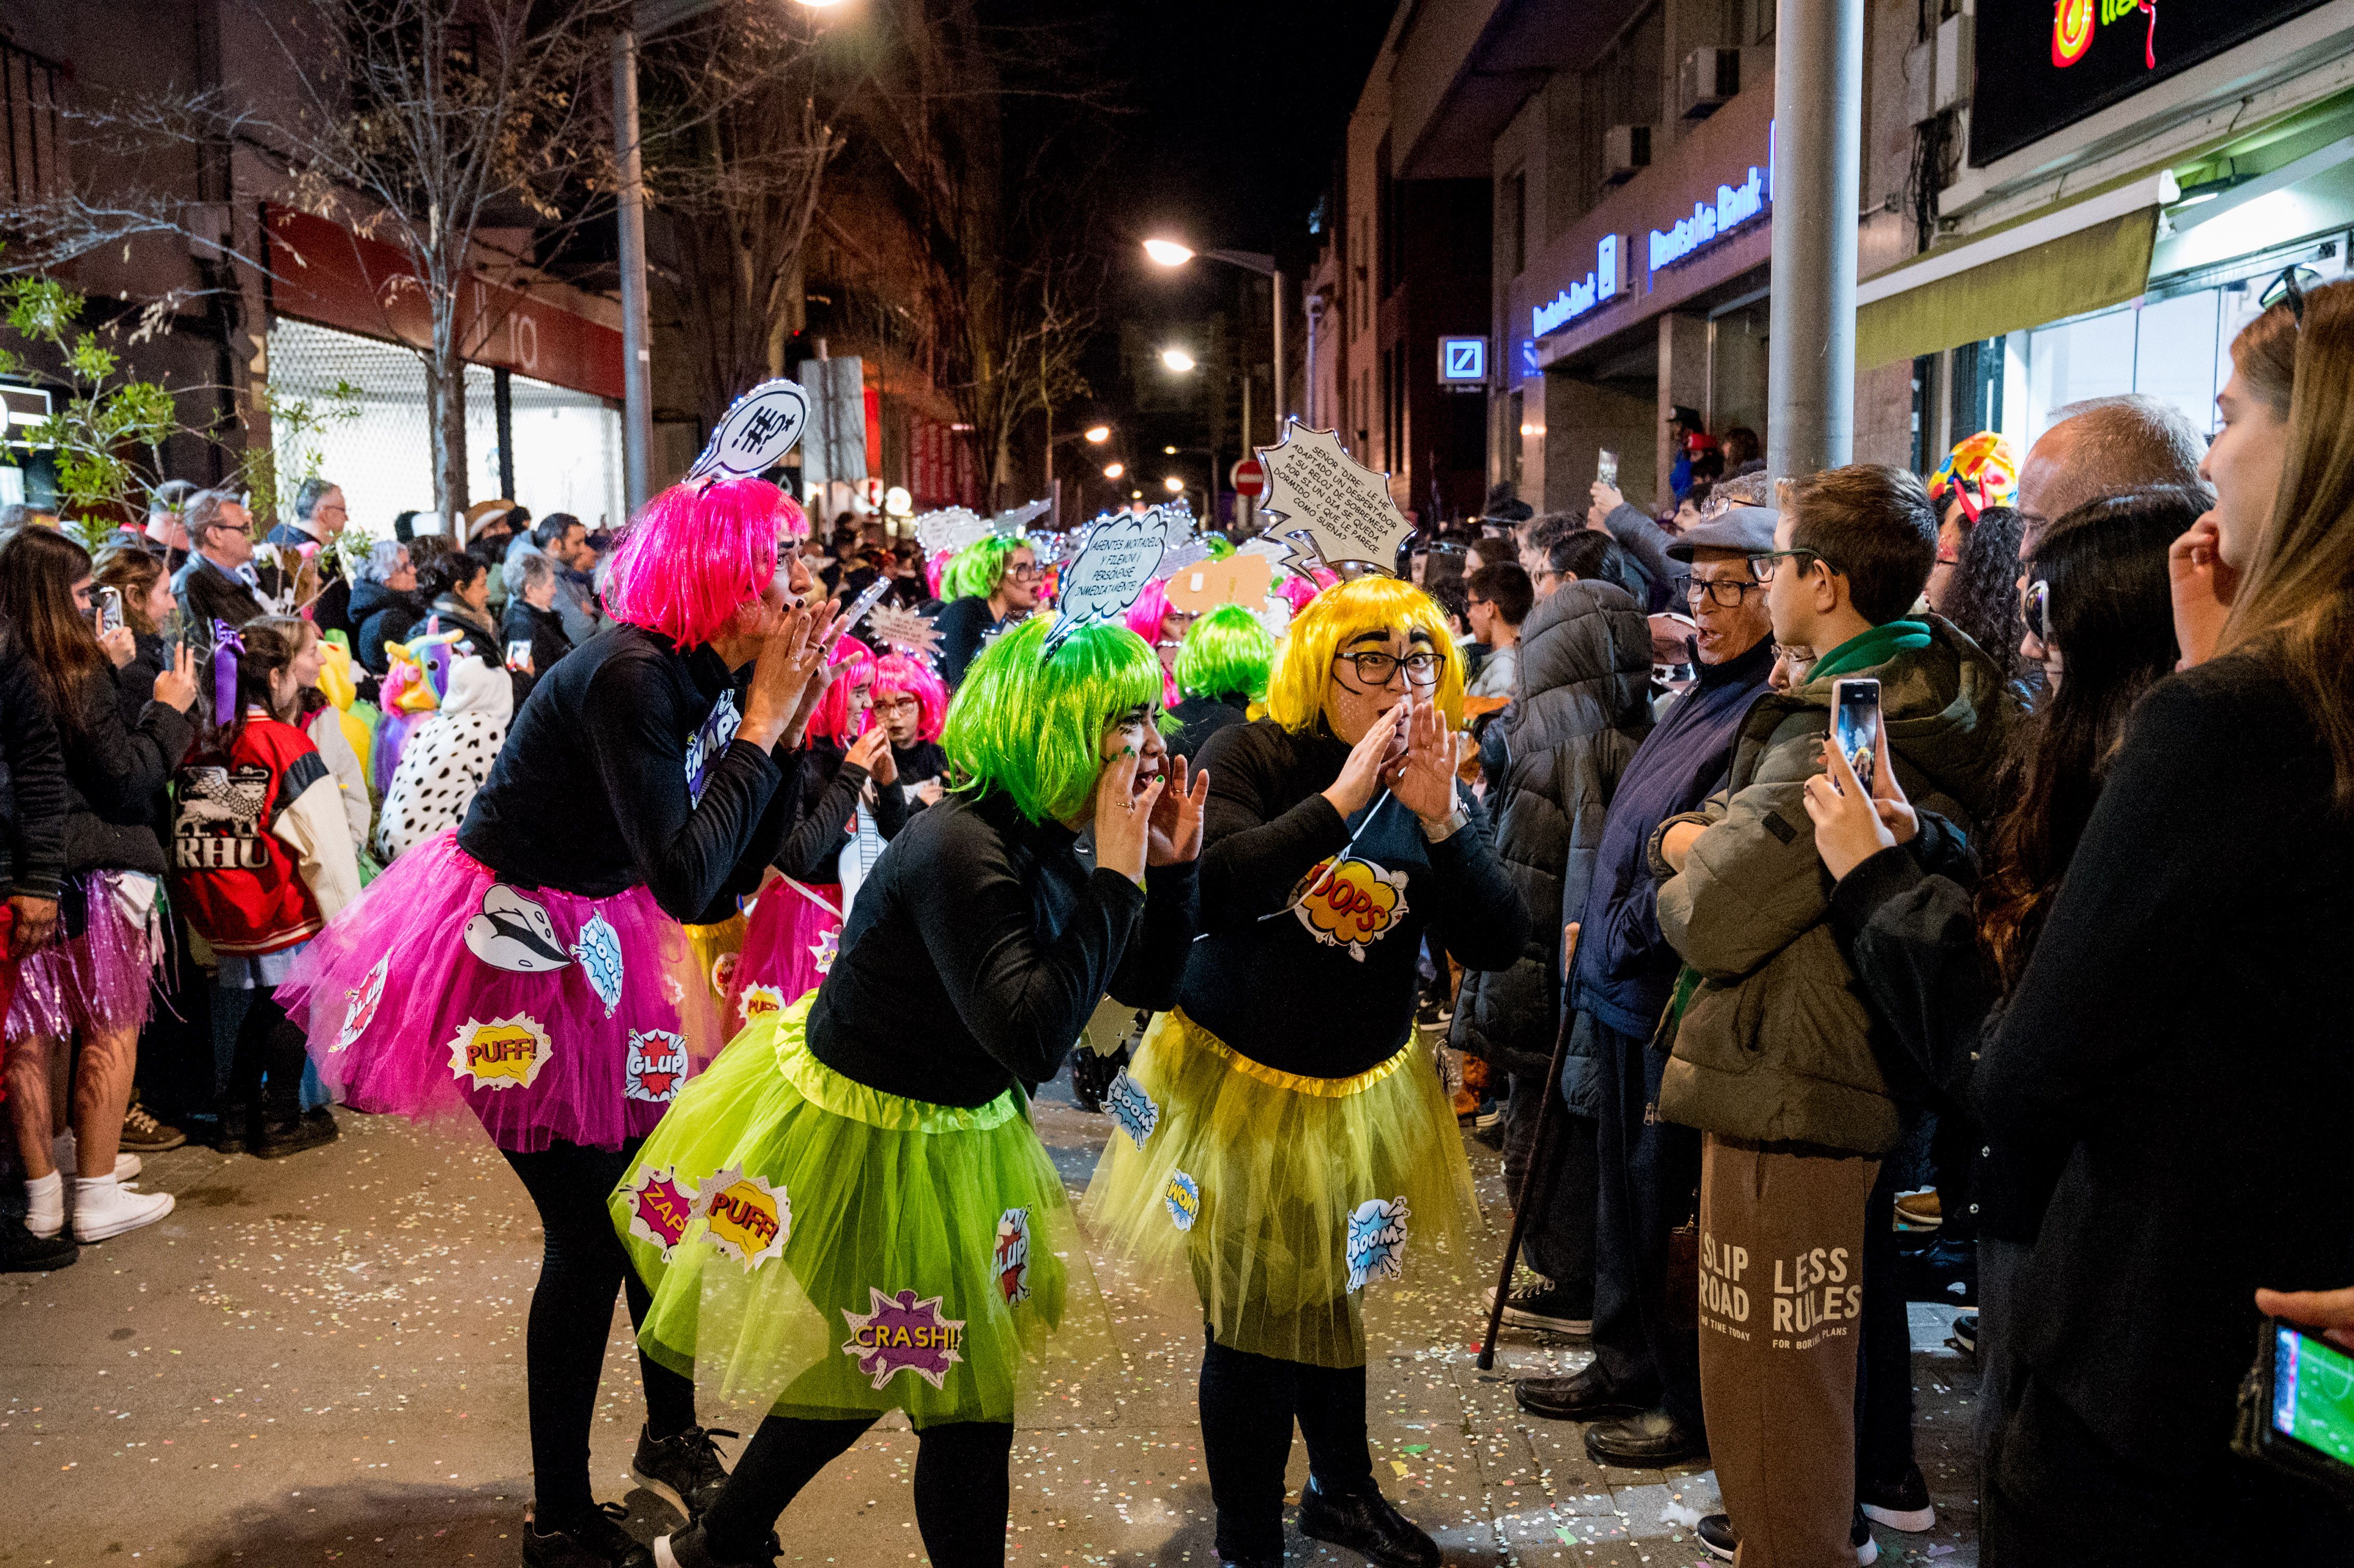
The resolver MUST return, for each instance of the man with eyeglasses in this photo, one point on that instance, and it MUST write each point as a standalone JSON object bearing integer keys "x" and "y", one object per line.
{"x": 1643, "y": 1387}
{"x": 319, "y": 516}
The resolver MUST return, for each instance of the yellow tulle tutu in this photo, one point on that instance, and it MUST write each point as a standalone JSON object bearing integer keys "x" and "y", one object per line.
{"x": 1280, "y": 1198}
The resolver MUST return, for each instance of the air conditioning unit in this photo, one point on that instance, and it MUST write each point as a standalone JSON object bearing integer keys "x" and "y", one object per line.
{"x": 1706, "y": 81}
{"x": 1955, "y": 42}
{"x": 1626, "y": 150}
{"x": 1920, "y": 82}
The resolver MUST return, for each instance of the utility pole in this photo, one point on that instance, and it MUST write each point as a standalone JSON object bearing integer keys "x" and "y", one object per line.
{"x": 1817, "y": 118}
{"x": 637, "y": 377}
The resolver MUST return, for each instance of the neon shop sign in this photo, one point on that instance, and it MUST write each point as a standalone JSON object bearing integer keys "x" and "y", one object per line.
{"x": 1603, "y": 282}
{"x": 1710, "y": 221}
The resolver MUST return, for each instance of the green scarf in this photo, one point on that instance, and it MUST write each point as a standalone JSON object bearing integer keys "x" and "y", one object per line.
{"x": 1868, "y": 649}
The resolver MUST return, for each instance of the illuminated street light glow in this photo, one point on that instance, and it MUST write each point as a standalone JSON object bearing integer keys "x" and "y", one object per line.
{"x": 1177, "y": 359}
{"x": 1099, "y": 435}
{"x": 1167, "y": 252}
{"x": 1173, "y": 485}
{"x": 1114, "y": 469}
{"x": 1169, "y": 451}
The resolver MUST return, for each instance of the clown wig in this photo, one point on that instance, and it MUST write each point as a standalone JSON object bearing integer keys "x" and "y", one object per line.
{"x": 1303, "y": 667}
{"x": 697, "y": 554}
{"x": 1032, "y": 727}
{"x": 1227, "y": 650}
{"x": 853, "y": 662}
{"x": 979, "y": 567}
{"x": 895, "y": 672}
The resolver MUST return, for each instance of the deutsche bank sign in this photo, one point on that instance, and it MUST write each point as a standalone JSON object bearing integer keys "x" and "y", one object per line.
{"x": 1710, "y": 221}
{"x": 1463, "y": 359}
{"x": 1602, "y": 283}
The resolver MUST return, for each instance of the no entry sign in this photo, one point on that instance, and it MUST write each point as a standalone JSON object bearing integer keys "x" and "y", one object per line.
{"x": 1247, "y": 479}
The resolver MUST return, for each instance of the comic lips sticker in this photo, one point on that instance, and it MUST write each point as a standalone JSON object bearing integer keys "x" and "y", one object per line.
{"x": 746, "y": 1219}
{"x": 903, "y": 1334}
{"x": 657, "y": 1066}
{"x": 1011, "y": 1259}
{"x": 359, "y": 1007}
{"x": 660, "y": 1205}
{"x": 514, "y": 933}
{"x": 504, "y": 1053}
{"x": 1350, "y": 904}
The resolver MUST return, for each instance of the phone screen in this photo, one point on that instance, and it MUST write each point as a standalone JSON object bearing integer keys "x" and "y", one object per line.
{"x": 2313, "y": 1394}
{"x": 1606, "y": 467}
{"x": 1855, "y": 727}
{"x": 519, "y": 657}
{"x": 110, "y": 609}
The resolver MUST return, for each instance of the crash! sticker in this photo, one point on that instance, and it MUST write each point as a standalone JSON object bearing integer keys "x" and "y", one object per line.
{"x": 1377, "y": 1240}
{"x": 1182, "y": 1196}
{"x": 1350, "y": 904}
{"x": 661, "y": 1203}
{"x": 900, "y": 1334}
{"x": 359, "y": 1008}
{"x": 504, "y": 1053}
{"x": 657, "y": 1066}
{"x": 747, "y": 1219}
{"x": 1013, "y": 1256}
{"x": 757, "y": 999}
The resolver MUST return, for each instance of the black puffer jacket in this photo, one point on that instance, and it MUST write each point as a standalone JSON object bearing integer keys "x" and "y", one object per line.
{"x": 381, "y": 615}
{"x": 1581, "y": 708}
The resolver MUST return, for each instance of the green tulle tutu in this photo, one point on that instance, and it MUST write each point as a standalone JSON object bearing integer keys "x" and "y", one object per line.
{"x": 818, "y": 1248}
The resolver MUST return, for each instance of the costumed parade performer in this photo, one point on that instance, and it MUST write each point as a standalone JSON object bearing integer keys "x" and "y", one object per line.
{"x": 850, "y": 1213}
{"x": 1221, "y": 669}
{"x": 530, "y": 965}
{"x": 910, "y": 703}
{"x": 1285, "y": 1139}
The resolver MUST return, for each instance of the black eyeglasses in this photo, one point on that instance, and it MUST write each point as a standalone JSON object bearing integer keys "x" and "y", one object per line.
{"x": 2289, "y": 290}
{"x": 1762, "y": 566}
{"x": 1024, "y": 574}
{"x": 1380, "y": 669}
{"x": 1725, "y": 593}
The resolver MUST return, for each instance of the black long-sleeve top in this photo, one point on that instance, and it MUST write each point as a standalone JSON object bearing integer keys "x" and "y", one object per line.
{"x": 2183, "y": 1027}
{"x": 829, "y": 790}
{"x": 1324, "y": 985}
{"x": 591, "y": 793}
{"x": 965, "y": 626}
{"x": 115, "y": 776}
{"x": 32, "y": 784}
{"x": 978, "y": 948}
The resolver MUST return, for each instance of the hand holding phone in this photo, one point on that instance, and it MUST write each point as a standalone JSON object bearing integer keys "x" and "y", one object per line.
{"x": 110, "y": 610}
{"x": 2297, "y": 1409}
{"x": 1855, "y": 727}
{"x": 1605, "y": 468}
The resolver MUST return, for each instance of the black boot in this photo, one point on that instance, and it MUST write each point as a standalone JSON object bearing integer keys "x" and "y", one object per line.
{"x": 595, "y": 1541}
{"x": 293, "y": 1131}
{"x": 1366, "y": 1522}
{"x": 1646, "y": 1442}
{"x": 22, "y": 1252}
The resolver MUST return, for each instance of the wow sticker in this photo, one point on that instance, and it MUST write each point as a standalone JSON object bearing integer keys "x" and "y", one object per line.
{"x": 656, "y": 1065}
{"x": 757, "y": 999}
{"x": 1012, "y": 1260}
{"x": 1131, "y": 1109}
{"x": 1377, "y": 1240}
{"x": 747, "y": 1219}
{"x": 359, "y": 1008}
{"x": 660, "y": 1205}
{"x": 903, "y": 1334}
{"x": 1184, "y": 1197}
{"x": 504, "y": 1053}
{"x": 1350, "y": 904}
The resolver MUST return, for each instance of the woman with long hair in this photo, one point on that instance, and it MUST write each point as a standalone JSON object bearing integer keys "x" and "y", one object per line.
{"x": 1981, "y": 595}
{"x": 143, "y": 589}
{"x": 90, "y": 984}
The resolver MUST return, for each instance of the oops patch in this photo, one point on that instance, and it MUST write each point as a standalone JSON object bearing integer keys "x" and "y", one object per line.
{"x": 504, "y": 1053}
{"x": 1350, "y": 904}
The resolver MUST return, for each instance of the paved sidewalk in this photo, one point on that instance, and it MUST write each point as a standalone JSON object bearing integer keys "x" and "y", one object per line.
{"x": 320, "y": 1359}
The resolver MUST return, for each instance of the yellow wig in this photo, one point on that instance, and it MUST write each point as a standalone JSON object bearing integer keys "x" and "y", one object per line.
{"x": 1295, "y": 692}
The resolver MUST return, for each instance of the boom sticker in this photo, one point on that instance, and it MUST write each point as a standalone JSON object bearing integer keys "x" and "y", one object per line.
{"x": 655, "y": 1066}
{"x": 1350, "y": 904}
{"x": 1132, "y": 1110}
{"x": 359, "y": 1008}
{"x": 1012, "y": 1260}
{"x": 504, "y": 1053}
{"x": 661, "y": 1203}
{"x": 746, "y": 1218}
{"x": 1377, "y": 1240}
{"x": 903, "y": 1334}
{"x": 598, "y": 953}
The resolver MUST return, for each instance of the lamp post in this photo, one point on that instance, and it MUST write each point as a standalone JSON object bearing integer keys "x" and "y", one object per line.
{"x": 1170, "y": 253}
{"x": 1094, "y": 435}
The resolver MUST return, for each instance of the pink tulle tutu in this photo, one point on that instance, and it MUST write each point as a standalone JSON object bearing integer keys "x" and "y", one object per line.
{"x": 782, "y": 937}
{"x": 547, "y": 1015}
{"x": 98, "y": 981}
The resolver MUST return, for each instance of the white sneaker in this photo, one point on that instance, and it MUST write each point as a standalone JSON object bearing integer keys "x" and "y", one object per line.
{"x": 127, "y": 1168}
{"x": 104, "y": 1207}
{"x": 45, "y": 1205}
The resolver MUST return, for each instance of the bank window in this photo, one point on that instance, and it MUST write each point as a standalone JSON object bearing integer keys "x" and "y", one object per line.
{"x": 32, "y": 126}
{"x": 1512, "y": 219}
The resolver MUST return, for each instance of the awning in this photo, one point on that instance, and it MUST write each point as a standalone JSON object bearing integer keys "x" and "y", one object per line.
{"x": 2086, "y": 257}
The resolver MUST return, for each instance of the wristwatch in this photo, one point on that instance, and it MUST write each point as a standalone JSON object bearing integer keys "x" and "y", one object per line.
{"x": 1456, "y": 820}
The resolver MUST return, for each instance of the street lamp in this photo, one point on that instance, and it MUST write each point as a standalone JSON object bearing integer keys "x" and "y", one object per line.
{"x": 1177, "y": 359}
{"x": 1165, "y": 252}
{"x": 1173, "y": 484}
{"x": 1114, "y": 469}
{"x": 1099, "y": 435}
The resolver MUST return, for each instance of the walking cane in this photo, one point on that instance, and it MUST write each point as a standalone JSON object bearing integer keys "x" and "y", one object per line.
{"x": 1537, "y": 1152}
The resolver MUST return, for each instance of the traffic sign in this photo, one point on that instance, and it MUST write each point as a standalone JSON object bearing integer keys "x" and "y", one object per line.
{"x": 1247, "y": 479}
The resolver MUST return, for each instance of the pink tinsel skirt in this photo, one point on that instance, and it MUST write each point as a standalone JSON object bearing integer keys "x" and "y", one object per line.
{"x": 548, "y": 1015}
{"x": 783, "y": 938}
{"x": 97, "y": 980}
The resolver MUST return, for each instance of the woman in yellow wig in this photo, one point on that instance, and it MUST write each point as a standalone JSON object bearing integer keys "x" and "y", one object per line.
{"x": 1283, "y": 1142}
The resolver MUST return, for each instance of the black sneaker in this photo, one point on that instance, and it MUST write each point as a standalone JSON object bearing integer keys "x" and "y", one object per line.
{"x": 597, "y": 1542}
{"x": 1549, "y": 1308}
{"x": 1901, "y": 1504}
{"x": 22, "y": 1252}
{"x": 685, "y": 1471}
{"x": 1716, "y": 1534}
{"x": 291, "y": 1135}
{"x": 1966, "y": 1333}
{"x": 686, "y": 1549}
{"x": 142, "y": 1134}
{"x": 1366, "y": 1522}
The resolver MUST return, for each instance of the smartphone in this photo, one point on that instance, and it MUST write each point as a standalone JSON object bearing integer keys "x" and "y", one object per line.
{"x": 1605, "y": 468}
{"x": 2297, "y": 1408}
{"x": 1855, "y": 727}
{"x": 519, "y": 657}
{"x": 110, "y": 610}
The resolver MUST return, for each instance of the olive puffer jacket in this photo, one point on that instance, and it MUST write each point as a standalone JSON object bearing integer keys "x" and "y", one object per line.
{"x": 1777, "y": 1043}
{"x": 1580, "y": 710}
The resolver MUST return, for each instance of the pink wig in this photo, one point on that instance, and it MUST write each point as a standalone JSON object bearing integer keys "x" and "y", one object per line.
{"x": 936, "y": 566}
{"x": 897, "y": 673}
{"x": 695, "y": 554}
{"x": 1144, "y": 618}
{"x": 854, "y": 662}
{"x": 1299, "y": 590}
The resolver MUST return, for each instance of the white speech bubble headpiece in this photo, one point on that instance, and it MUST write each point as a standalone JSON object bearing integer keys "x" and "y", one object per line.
{"x": 1332, "y": 509}
{"x": 754, "y": 435}
{"x": 1106, "y": 574}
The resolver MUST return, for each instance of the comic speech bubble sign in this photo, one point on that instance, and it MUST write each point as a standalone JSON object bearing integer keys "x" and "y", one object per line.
{"x": 1238, "y": 579}
{"x": 755, "y": 434}
{"x": 1341, "y": 507}
{"x": 950, "y": 528}
{"x": 1117, "y": 558}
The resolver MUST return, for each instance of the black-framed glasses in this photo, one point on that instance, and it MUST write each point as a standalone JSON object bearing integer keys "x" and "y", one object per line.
{"x": 1380, "y": 669}
{"x": 1725, "y": 593}
{"x": 1762, "y": 566}
{"x": 2035, "y": 610}
{"x": 890, "y": 705}
{"x": 2288, "y": 288}
{"x": 1024, "y": 574}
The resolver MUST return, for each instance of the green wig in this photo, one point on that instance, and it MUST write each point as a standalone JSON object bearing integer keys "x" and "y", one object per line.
{"x": 979, "y": 567}
{"x": 1226, "y": 650}
{"x": 1033, "y": 726}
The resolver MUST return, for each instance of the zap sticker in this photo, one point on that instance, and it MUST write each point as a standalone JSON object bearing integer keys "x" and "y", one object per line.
{"x": 746, "y": 1219}
{"x": 599, "y": 954}
{"x": 1184, "y": 1196}
{"x": 1350, "y": 904}
{"x": 1377, "y": 1240}
{"x": 359, "y": 1007}
{"x": 1131, "y": 1109}
{"x": 703, "y": 748}
{"x": 655, "y": 1066}
{"x": 1012, "y": 1260}
{"x": 757, "y": 999}
{"x": 504, "y": 1053}
{"x": 514, "y": 933}
{"x": 660, "y": 1205}
{"x": 903, "y": 1334}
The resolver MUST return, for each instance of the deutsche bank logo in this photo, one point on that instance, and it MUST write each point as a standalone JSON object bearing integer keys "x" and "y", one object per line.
{"x": 1463, "y": 359}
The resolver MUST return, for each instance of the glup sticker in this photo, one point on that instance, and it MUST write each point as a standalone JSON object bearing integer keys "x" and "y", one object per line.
{"x": 1182, "y": 1196}
{"x": 903, "y": 1334}
{"x": 1131, "y": 1109}
{"x": 746, "y": 1219}
{"x": 661, "y": 1203}
{"x": 655, "y": 1066}
{"x": 359, "y": 1007}
{"x": 504, "y": 1053}
{"x": 1011, "y": 1259}
{"x": 1377, "y": 1240}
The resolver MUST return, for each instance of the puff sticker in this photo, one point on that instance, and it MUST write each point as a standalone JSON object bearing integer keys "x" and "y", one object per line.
{"x": 359, "y": 1008}
{"x": 661, "y": 1203}
{"x": 514, "y": 933}
{"x": 757, "y": 999}
{"x": 504, "y": 1053}
{"x": 1183, "y": 1196}
{"x": 1350, "y": 904}
{"x": 746, "y": 1218}
{"x": 1011, "y": 1261}
{"x": 1132, "y": 1110}
{"x": 598, "y": 953}
{"x": 1377, "y": 1240}
{"x": 656, "y": 1067}
{"x": 900, "y": 1334}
